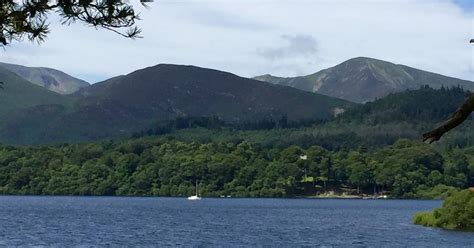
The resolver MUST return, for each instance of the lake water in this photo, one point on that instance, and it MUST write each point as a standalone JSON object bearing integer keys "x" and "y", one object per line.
{"x": 135, "y": 221}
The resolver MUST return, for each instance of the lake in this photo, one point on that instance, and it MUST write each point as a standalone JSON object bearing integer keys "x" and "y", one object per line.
{"x": 141, "y": 221}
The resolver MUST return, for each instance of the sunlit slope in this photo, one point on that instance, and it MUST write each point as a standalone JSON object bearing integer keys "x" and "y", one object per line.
{"x": 18, "y": 93}
{"x": 366, "y": 79}
{"x": 50, "y": 79}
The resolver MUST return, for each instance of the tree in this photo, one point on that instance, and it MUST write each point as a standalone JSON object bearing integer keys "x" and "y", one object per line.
{"x": 456, "y": 169}
{"x": 320, "y": 164}
{"x": 360, "y": 172}
{"x": 29, "y": 18}
{"x": 455, "y": 120}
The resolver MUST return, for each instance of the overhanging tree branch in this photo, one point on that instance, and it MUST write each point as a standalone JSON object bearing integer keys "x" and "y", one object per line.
{"x": 28, "y": 18}
{"x": 456, "y": 118}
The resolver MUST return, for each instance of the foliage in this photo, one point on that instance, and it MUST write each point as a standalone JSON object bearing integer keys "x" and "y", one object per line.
{"x": 372, "y": 125}
{"x": 424, "y": 219}
{"x": 169, "y": 167}
{"x": 29, "y": 18}
{"x": 457, "y": 213}
{"x": 439, "y": 191}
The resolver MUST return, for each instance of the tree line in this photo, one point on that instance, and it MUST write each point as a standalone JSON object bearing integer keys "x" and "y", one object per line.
{"x": 157, "y": 166}
{"x": 373, "y": 125}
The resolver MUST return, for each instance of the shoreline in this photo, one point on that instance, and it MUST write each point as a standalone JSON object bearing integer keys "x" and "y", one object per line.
{"x": 345, "y": 196}
{"x": 326, "y": 196}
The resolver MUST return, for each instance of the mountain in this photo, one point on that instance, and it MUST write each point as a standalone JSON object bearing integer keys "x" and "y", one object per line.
{"x": 17, "y": 94}
{"x": 170, "y": 91}
{"x": 50, "y": 79}
{"x": 365, "y": 79}
{"x": 122, "y": 105}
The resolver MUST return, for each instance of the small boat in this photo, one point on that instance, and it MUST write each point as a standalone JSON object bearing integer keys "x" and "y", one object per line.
{"x": 195, "y": 197}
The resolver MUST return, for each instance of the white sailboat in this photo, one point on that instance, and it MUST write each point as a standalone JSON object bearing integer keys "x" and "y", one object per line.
{"x": 195, "y": 197}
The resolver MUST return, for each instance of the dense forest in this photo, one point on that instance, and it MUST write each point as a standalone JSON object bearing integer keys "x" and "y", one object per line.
{"x": 169, "y": 167}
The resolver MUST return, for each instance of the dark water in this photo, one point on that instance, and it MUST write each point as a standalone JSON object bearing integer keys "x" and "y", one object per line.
{"x": 113, "y": 221}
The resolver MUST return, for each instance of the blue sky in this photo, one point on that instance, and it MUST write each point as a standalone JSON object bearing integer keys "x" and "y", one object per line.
{"x": 254, "y": 37}
{"x": 466, "y": 5}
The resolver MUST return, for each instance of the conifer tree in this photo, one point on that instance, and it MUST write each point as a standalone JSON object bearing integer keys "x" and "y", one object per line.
{"x": 29, "y": 18}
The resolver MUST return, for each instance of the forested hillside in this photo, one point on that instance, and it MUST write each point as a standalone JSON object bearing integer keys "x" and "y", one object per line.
{"x": 361, "y": 151}
{"x": 372, "y": 125}
{"x": 423, "y": 105}
{"x": 166, "y": 167}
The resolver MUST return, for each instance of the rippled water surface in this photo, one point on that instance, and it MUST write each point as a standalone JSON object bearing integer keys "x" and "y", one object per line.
{"x": 112, "y": 221}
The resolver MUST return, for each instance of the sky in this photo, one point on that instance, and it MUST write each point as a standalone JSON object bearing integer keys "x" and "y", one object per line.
{"x": 254, "y": 37}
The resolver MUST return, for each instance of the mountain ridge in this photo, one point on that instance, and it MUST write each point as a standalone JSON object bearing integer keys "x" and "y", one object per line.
{"x": 122, "y": 105}
{"x": 49, "y": 78}
{"x": 18, "y": 93}
{"x": 364, "y": 79}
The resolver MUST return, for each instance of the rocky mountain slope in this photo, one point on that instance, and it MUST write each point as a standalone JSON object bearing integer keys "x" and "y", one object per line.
{"x": 365, "y": 79}
{"x": 50, "y": 79}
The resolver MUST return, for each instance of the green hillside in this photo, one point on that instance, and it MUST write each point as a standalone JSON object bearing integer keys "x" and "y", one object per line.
{"x": 48, "y": 78}
{"x": 423, "y": 105}
{"x": 372, "y": 125}
{"x": 123, "y": 105}
{"x": 193, "y": 103}
{"x": 362, "y": 151}
{"x": 18, "y": 94}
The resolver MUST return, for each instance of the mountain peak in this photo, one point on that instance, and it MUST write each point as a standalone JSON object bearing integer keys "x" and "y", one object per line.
{"x": 48, "y": 78}
{"x": 122, "y": 105}
{"x": 364, "y": 79}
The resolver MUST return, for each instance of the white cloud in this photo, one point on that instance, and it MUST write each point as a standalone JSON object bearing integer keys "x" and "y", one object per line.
{"x": 298, "y": 46}
{"x": 299, "y": 36}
